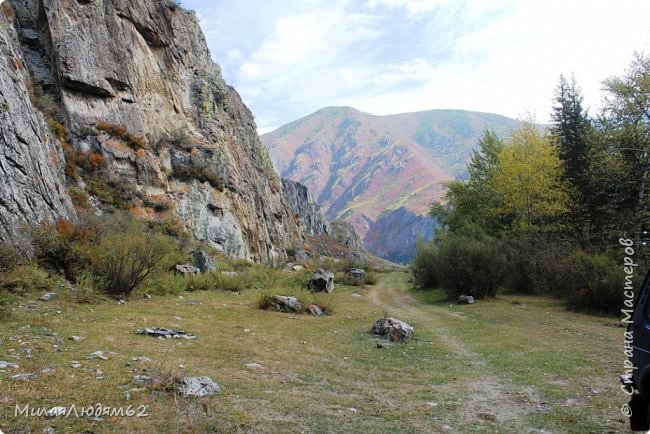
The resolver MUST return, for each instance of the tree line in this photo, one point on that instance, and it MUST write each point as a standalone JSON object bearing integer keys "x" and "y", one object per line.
{"x": 542, "y": 211}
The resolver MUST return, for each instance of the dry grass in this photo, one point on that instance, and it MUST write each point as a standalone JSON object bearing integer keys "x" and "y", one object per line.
{"x": 318, "y": 374}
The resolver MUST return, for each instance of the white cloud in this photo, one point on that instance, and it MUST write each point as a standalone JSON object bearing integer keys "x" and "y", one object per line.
{"x": 288, "y": 58}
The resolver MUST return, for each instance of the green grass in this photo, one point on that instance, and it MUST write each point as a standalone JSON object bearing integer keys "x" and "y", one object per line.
{"x": 485, "y": 366}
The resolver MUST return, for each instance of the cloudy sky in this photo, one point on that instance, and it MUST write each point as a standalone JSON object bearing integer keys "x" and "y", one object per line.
{"x": 288, "y": 58}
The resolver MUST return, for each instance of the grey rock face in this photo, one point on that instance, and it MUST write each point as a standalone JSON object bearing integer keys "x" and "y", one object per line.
{"x": 31, "y": 161}
{"x": 198, "y": 386}
{"x": 145, "y": 67}
{"x": 303, "y": 204}
{"x": 394, "y": 234}
{"x": 322, "y": 281}
{"x": 345, "y": 234}
{"x": 393, "y": 329}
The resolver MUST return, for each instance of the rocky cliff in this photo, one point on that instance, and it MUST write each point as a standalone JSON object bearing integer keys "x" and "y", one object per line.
{"x": 394, "y": 234}
{"x": 32, "y": 184}
{"x": 145, "y": 120}
{"x": 303, "y": 204}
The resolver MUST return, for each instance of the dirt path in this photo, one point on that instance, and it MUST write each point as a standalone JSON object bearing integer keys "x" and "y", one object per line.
{"x": 486, "y": 395}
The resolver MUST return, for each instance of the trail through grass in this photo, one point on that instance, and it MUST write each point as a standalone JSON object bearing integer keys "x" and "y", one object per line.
{"x": 510, "y": 365}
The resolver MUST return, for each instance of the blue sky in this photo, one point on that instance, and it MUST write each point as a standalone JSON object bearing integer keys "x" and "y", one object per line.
{"x": 289, "y": 58}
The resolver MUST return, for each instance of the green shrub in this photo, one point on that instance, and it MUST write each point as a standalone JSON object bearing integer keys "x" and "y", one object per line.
{"x": 27, "y": 278}
{"x": 123, "y": 261}
{"x": 10, "y": 257}
{"x": 593, "y": 283}
{"x": 424, "y": 265}
{"x": 467, "y": 266}
{"x": 163, "y": 283}
{"x": 201, "y": 174}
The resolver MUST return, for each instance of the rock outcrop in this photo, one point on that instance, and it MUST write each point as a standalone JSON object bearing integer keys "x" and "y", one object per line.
{"x": 394, "y": 234}
{"x": 32, "y": 184}
{"x": 140, "y": 99}
{"x": 303, "y": 204}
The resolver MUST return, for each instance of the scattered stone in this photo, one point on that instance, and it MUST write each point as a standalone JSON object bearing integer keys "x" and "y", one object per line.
{"x": 119, "y": 302}
{"x": 203, "y": 261}
{"x": 352, "y": 409}
{"x": 48, "y": 296}
{"x": 77, "y": 338}
{"x": 393, "y": 329}
{"x": 162, "y": 333}
{"x": 97, "y": 355}
{"x": 5, "y": 365}
{"x": 49, "y": 430}
{"x": 146, "y": 296}
{"x": 29, "y": 353}
{"x": 432, "y": 404}
{"x": 315, "y": 310}
{"x": 487, "y": 417}
{"x": 382, "y": 343}
{"x": 465, "y": 299}
{"x": 142, "y": 359}
{"x": 322, "y": 281}
{"x": 254, "y": 366}
{"x": 143, "y": 379}
{"x": 284, "y": 303}
{"x": 23, "y": 377}
{"x": 186, "y": 270}
{"x": 357, "y": 273}
{"x": 354, "y": 294}
{"x": 99, "y": 374}
{"x": 75, "y": 364}
{"x": 47, "y": 371}
{"x": 297, "y": 268}
{"x": 56, "y": 411}
{"x": 198, "y": 386}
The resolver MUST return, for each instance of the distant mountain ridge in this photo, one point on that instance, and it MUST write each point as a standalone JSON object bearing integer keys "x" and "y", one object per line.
{"x": 358, "y": 165}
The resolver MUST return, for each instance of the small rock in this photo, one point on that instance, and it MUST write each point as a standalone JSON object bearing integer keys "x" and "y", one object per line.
{"x": 77, "y": 338}
{"x": 198, "y": 386}
{"x": 203, "y": 261}
{"x": 97, "y": 355}
{"x": 75, "y": 364}
{"x": 143, "y": 379}
{"x": 22, "y": 377}
{"x": 315, "y": 310}
{"x": 352, "y": 409}
{"x": 164, "y": 333}
{"x": 297, "y": 268}
{"x": 432, "y": 404}
{"x": 465, "y": 299}
{"x": 254, "y": 366}
{"x": 186, "y": 270}
{"x": 121, "y": 302}
{"x": 393, "y": 329}
{"x": 357, "y": 273}
{"x": 48, "y": 296}
{"x": 284, "y": 303}
{"x": 142, "y": 359}
{"x": 56, "y": 411}
{"x": 146, "y": 296}
{"x": 29, "y": 353}
{"x": 354, "y": 294}
{"x": 49, "y": 430}
{"x": 5, "y": 365}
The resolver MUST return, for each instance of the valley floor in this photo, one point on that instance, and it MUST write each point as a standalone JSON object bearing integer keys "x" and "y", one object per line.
{"x": 516, "y": 364}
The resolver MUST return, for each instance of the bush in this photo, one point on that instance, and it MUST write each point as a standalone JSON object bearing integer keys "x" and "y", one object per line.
{"x": 424, "y": 265}
{"x": 201, "y": 174}
{"x": 593, "y": 283}
{"x": 27, "y": 278}
{"x": 466, "y": 266}
{"x": 123, "y": 261}
{"x": 163, "y": 283}
{"x": 134, "y": 141}
{"x": 10, "y": 257}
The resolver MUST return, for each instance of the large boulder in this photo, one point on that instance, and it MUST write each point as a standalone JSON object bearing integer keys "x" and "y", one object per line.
{"x": 322, "y": 281}
{"x": 465, "y": 299}
{"x": 283, "y": 303}
{"x": 203, "y": 261}
{"x": 393, "y": 329}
